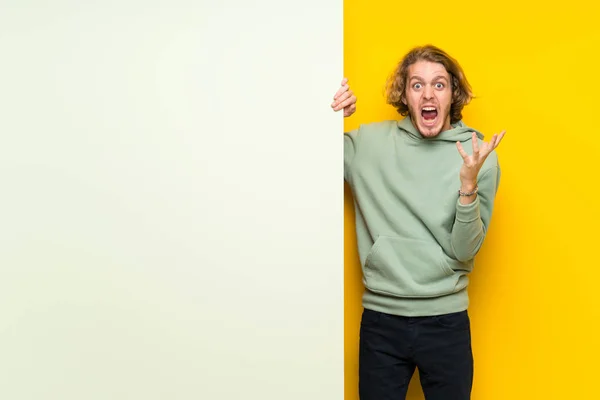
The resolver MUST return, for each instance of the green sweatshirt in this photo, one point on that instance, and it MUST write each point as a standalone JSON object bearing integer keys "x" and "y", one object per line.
{"x": 416, "y": 242}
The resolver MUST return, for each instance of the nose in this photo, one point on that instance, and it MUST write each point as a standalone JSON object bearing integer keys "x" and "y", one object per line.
{"x": 428, "y": 92}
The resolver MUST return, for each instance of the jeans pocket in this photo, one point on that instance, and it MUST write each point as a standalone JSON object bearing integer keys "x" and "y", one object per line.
{"x": 456, "y": 321}
{"x": 370, "y": 318}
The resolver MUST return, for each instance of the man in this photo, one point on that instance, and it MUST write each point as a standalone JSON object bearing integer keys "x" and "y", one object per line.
{"x": 424, "y": 191}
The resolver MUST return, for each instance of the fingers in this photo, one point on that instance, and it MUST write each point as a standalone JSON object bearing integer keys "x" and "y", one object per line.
{"x": 499, "y": 139}
{"x": 461, "y": 151}
{"x": 345, "y": 95}
{"x": 344, "y": 87}
{"x": 479, "y": 153}
{"x": 488, "y": 147}
{"x": 349, "y": 110}
{"x": 475, "y": 145}
{"x": 346, "y": 99}
{"x": 341, "y": 91}
{"x": 348, "y": 102}
{"x": 493, "y": 142}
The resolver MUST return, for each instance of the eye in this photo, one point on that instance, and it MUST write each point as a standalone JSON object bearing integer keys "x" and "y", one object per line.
{"x": 439, "y": 85}
{"x": 417, "y": 86}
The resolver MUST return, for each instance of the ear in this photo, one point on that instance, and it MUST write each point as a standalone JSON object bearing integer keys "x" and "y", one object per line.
{"x": 403, "y": 100}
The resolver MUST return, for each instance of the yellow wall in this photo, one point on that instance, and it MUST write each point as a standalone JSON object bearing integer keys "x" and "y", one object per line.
{"x": 535, "y": 292}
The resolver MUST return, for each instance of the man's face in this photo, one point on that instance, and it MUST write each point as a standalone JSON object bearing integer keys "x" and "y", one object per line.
{"x": 428, "y": 96}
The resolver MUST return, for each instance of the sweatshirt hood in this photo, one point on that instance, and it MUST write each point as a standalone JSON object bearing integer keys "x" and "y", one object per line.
{"x": 459, "y": 132}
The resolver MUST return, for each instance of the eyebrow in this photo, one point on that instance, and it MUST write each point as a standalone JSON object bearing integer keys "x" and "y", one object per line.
{"x": 435, "y": 79}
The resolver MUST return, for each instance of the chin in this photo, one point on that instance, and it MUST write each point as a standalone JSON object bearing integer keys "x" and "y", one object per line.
{"x": 429, "y": 128}
{"x": 430, "y": 131}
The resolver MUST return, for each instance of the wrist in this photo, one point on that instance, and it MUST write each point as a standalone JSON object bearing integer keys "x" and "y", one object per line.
{"x": 468, "y": 186}
{"x": 467, "y": 194}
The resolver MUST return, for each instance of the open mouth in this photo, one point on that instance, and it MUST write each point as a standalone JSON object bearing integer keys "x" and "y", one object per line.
{"x": 429, "y": 114}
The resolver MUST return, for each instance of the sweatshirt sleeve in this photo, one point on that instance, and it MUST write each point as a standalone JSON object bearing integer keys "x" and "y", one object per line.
{"x": 472, "y": 220}
{"x": 350, "y": 148}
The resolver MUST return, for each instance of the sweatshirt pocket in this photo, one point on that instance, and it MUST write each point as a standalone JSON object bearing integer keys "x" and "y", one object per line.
{"x": 404, "y": 267}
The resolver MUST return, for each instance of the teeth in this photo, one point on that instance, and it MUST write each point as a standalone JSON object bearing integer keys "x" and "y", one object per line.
{"x": 428, "y": 108}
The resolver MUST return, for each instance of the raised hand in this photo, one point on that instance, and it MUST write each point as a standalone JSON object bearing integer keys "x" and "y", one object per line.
{"x": 472, "y": 163}
{"x": 344, "y": 99}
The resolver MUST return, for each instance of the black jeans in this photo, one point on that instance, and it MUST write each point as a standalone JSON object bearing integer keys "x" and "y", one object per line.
{"x": 391, "y": 347}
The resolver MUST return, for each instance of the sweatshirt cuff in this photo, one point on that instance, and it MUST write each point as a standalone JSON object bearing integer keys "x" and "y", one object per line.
{"x": 467, "y": 212}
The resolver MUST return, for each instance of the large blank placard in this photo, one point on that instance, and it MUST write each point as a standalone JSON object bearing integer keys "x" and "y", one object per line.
{"x": 172, "y": 200}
